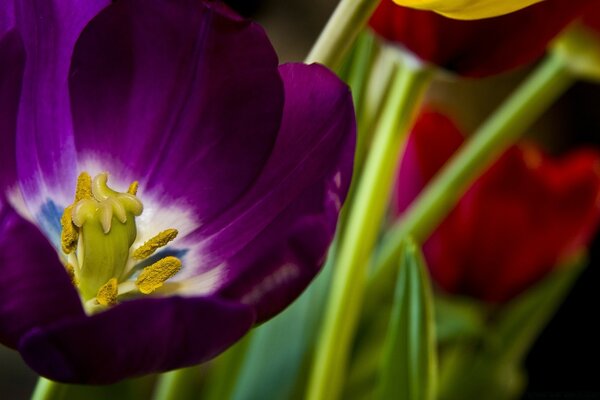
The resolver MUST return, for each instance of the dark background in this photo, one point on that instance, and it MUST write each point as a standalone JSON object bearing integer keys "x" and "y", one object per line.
{"x": 565, "y": 358}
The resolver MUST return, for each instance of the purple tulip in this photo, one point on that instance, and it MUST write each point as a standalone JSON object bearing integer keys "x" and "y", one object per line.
{"x": 242, "y": 167}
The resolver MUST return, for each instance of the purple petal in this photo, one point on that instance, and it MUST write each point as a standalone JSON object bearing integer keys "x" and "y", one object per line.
{"x": 274, "y": 240}
{"x": 11, "y": 74}
{"x": 7, "y": 17}
{"x": 46, "y": 154}
{"x": 181, "y": 95}
{"x": 136, "y": 338}
{"x": 34, "y": 287}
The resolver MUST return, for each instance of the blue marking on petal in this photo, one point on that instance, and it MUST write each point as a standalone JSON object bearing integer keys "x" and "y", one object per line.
{"x": 49, "y": 220}
{"x": 179, "y": 253}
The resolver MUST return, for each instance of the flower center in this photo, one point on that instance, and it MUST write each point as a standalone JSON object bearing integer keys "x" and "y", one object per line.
{"x": 98, "y": 230}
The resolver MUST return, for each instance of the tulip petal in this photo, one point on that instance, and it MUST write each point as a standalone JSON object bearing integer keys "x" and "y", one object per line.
{"x": 524, "y": 217}
{"x": 7, "y": 17}
{"x": 515, "y": 223}
{"x": 45, "y": 151}
{"x": 11, "y": 74}
{"x": 182, "y": 95}
{"x": 426, "y": 151}
{"x": 469, "y": 9}
{"x": 273, "y": 241}
{"x": 35, "y": 290}
{"x": 135, "y": 338}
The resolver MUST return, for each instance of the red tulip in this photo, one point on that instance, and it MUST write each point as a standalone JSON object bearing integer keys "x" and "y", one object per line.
{"x": 513, "y": 226}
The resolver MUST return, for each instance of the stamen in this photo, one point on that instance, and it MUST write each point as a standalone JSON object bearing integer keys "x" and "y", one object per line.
{"x": 154, "y": 276}
{"x": 69, "y": 234}
{"x": 84, "y": 187}
{"x": 107, "y": 294}
{"x": 71, "y": 272}
{"x": 150, "y": 246}
{"x": 133, "y": 188}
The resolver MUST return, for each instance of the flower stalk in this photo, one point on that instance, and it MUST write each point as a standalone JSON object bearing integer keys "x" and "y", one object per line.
{"x": 175, "y": 385}
{"x": 341, "y": 30}
{"x": 502, "y": 129}
{"x": 46, "y": 389}
{"x": 358, "y": 238}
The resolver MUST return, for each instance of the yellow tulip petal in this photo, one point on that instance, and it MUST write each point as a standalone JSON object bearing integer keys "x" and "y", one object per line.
{"x": 468, "y": 9}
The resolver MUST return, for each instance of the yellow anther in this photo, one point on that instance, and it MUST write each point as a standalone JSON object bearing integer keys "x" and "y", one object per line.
{"x": 154, "y": 276}
{"x": 71, "y": 272}
{"x": 150, "y": 246}
{"x": 133, "y": 188}
{"x": 69, "y": 234}
{"x": 84, "y": 187}
{"x": 107, "y": 294}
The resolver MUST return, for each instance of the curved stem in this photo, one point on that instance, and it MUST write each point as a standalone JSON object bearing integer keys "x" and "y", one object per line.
{"x": 358, "y": 238}
{"x": 501, "y": 130}
{"x": 175, "y": 385}
{"x": 341, "y": 30}
{"x": 46, "y": 389}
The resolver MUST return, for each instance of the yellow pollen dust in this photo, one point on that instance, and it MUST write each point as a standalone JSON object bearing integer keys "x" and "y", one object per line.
{"x": 133, "y": 188}
{"x": 84, "y": 187}
{"x": 69, "y": 234}
{"x": 150, "y": 246}
{"x": 154, "y": 276}
{"x": 71, "y": 272}
{"x": 107, "y": 294}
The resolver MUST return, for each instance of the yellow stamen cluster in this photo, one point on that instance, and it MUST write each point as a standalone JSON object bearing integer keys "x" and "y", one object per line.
{"x": 154, "y": 276}
{"x": 98, "y": 230}
{"x": 158, "y": 241}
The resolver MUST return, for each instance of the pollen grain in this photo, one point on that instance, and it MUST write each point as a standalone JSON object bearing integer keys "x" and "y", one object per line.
{"x": 107, "y": 294}
{"x": 84, "y": 187}
{"x": 133, "y": 188}
{"x": 71, "y": 272}
{"x": 69, "y": 233}
{"x": 151, "y": 245}
{"x": 154, "y": 276}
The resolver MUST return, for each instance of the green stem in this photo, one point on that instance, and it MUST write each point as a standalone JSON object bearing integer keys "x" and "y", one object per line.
{"x": 46, "y": 389}
{"x": 339, "y": 34}
{"x": 501, "y": 130}
{"x": 175, "y": 385}
{"x": 360, "y": 233}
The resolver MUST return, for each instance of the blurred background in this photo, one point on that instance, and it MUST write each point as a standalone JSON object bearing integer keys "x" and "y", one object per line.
{"x": 561, "y": 359}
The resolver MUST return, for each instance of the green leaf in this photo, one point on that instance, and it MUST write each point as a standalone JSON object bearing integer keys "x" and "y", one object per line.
{"x": 409, "y": 363}
{"x": 458, "y": 319}
{"x": 277, "y": 350}
{"x": 224, "y": 371}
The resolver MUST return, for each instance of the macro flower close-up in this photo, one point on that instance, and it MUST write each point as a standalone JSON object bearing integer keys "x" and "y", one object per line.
{"x": 165, "y": 184}
{"x": 284, "y": 200}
